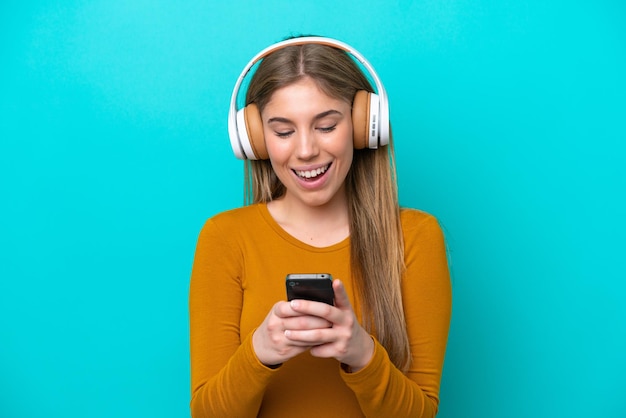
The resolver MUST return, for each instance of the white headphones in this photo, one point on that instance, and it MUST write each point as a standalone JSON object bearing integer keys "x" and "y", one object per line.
{"x": 370, "y": 111}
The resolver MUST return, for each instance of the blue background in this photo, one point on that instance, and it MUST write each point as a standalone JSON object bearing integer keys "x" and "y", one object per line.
{"x": 509, "y": 119}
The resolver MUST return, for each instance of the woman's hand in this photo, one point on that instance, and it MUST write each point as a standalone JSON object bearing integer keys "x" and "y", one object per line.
{"x": 345, "y": 340}
{"x": 270, "y": 342}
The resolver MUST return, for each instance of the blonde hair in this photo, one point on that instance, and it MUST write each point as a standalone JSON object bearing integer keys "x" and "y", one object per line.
{"x": 376, "y": 245}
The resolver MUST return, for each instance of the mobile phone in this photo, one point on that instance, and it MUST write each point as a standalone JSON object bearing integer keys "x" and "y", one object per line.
{"x": 311, "y": 286}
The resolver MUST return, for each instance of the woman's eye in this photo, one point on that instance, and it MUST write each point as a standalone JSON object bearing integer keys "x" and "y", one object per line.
{"x": 327, "y": 129}
{"x": 284, "y": 134}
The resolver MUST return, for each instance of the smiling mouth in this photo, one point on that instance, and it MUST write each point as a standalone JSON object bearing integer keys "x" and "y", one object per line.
{"x": 311, "y": 174}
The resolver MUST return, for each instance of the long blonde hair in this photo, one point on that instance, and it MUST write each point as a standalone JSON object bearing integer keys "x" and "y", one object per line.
{"x": 376, "y": 245}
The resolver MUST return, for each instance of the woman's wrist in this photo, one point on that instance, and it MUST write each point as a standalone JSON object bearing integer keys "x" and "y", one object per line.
{"x": 366, "y": 357}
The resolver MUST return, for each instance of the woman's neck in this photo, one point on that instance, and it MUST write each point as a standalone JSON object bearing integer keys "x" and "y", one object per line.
{"x": 319, "y": 226}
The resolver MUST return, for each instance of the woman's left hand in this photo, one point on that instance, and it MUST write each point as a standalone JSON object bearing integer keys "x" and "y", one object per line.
{"x": 347, "y": 341}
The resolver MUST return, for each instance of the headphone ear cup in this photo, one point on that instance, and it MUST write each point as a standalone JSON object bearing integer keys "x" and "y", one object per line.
{"x": 374, "y": 122}
{"x": 254, "y": 132}
{"x": 361, "y": 119}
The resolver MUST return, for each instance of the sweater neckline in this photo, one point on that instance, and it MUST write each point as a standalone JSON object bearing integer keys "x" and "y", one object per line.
{"x": 267, "y": 216}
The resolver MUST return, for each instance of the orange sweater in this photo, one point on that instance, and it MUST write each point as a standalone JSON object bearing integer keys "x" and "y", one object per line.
{"x": 241, "y": 261}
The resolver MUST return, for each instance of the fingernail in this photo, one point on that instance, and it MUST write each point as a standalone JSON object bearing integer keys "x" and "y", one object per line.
{"x": 295, "y": 303}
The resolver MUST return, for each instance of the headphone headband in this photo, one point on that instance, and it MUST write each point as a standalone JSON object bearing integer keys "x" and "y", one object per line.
{"x": 243, "y": 150}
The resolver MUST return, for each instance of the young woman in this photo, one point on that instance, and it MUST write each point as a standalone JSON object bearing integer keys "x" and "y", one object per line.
{"x": 321, "y": 199}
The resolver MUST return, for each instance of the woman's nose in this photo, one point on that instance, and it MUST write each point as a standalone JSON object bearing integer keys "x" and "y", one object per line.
{"x": 306, "y": 146}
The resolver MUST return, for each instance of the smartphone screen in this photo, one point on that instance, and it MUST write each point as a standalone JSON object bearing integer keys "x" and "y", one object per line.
{"x": 310, "y": 286}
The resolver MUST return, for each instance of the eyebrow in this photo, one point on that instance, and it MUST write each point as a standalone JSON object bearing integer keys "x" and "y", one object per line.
{"x": 317, "y": 117}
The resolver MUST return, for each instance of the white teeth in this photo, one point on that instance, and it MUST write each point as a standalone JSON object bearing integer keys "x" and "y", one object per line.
{"x": 311, "y": 173}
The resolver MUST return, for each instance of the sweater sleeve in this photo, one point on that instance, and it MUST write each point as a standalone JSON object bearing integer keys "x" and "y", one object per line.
{"x": 382, "y": 389}
{"x": 226, "y": 377}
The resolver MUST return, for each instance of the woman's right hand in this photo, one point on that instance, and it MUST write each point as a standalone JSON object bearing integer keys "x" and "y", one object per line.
{"x": 269, "y": 342}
